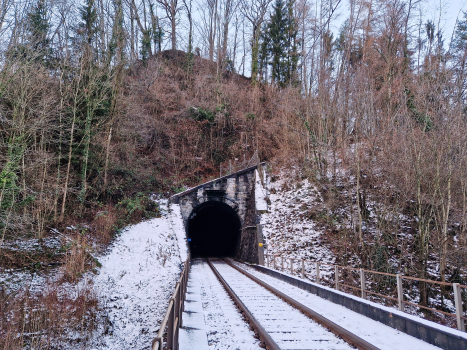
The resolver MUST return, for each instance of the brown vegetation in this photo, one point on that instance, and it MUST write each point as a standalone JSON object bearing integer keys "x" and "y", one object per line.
{"x": 375, "y": 117}
{"x": 57, "y": 315}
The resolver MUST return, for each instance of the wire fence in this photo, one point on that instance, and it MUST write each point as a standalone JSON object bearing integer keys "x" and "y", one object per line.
{"x": 232, "y": 166}
{"x": 446, "y": 301}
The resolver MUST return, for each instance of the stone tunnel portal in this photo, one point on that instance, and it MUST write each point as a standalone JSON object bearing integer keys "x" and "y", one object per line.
{"x": 213, "y": 230}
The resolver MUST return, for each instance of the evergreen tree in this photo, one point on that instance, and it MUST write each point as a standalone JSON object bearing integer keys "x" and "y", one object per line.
{"x": 277, "y": 31}
{"x": 146, "y": 45}
{"x": 459, "y": 43}
{"x": 279, "y": 44}
{"x": 37, "y": 44}
{"x": 263, "y": 56}
{"x": 38, "y": 27}
{"x": 88, "y": 28}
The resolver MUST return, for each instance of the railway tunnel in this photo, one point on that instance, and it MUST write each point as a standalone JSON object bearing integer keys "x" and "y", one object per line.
{"x": 220, "y": 217}
{"x": 213, "y": 229}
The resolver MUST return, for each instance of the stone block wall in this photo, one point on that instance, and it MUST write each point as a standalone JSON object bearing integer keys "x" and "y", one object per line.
{"x": 248, "y": 250}
{"x": 236, "y": 190}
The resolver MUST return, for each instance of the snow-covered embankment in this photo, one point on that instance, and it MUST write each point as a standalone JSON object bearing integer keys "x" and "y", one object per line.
{"x": 137, "y": 278}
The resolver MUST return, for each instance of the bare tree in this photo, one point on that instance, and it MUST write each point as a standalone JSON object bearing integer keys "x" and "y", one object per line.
{"x": 255, "y": 12}
{"x": 4, "y": 8}
{"x": 229, "y": 8}
{"x": 208, "y": 12}
{"x": 188, "y": 9}
{"x": 171, "y": 8}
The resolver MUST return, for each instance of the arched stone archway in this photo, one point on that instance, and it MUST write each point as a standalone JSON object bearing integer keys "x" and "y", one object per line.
{"x": 229, "y": 196}
{"x": 213, "y": 229}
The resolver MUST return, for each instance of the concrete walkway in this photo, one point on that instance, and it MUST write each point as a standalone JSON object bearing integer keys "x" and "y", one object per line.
{"x": 193, "y": 333}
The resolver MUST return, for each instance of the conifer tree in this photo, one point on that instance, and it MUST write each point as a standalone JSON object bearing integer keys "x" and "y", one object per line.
{"x": 37, "y": 44}
{"x": 88, "y": 28}
{"x": 38, "y": 27}
{"x": 277, "y": 32}
{"x": 459, "y": 52}
{"x": 280, "y": 44}
{"x": 263, "y": 56}
{"x": 146, "y": 49}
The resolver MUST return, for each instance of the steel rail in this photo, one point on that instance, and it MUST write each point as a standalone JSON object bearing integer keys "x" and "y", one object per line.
{"x": 263, "y": 335}
{"x": 347, "y": 336}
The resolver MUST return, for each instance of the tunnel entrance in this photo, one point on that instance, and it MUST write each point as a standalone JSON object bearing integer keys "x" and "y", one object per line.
{"x": 213, "y": 230}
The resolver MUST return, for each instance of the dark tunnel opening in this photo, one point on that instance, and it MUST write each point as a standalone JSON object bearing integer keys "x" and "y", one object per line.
{"x": 213, "y": 230}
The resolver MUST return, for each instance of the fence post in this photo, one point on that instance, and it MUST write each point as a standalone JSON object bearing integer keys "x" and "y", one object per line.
{"x": 317, "y": 272}
{"x": 400, "y": 292}
{"x": 362, "y": 283}
{"x": 282, "y": 263}
{"x": 303, "y": 269}
{"x": 291, "y": 266}
{"x": 159, "y": 343}
{"x": 170, "y": 325}
{"x": 337, "y": 276}
{"x": 458, "y": 303}
{"x": 275, "y": 266}
{"x": 177, "y": 316}
{"x": 182, "y": 301}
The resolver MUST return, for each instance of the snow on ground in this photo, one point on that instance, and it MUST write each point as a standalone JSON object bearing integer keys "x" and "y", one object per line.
{"x": 290, "y": 230}
{"x": 136, "y": 280}
{"x": 376, "y": 333}
{"x": 261, "y": 193}
{"x": 287, "y": 228}
{"x": 33, "y": 244}
{"x": 224, "y": 326}
{"x": 14, "y": 279}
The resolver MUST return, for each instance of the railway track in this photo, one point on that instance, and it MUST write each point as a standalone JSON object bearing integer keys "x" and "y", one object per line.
{"x": 281, "y": 322}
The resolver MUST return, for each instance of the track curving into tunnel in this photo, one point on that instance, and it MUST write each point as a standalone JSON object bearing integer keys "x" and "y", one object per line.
{"x": 213, "y": 230}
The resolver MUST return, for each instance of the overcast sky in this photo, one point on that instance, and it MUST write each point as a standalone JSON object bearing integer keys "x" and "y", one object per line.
{"x": 448, "y": 10}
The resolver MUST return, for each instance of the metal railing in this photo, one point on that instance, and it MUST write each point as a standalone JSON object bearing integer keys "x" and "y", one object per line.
{"x": 360, "y": 275}
{"x": 173, "y": 316}
{"x": 229, "y": 167}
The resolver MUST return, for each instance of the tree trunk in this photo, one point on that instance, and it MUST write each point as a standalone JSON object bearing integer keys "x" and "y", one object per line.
{"x": 70, "y": 150}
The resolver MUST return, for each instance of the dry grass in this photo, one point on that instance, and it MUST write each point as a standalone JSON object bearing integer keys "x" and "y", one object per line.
{"x": 76, "y": 259}
{"x": 50, "y": 319}
{"x": 105, "y": 223}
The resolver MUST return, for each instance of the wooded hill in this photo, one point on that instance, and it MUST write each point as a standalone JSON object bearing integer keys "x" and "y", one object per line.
{"x": 88, "y": 130}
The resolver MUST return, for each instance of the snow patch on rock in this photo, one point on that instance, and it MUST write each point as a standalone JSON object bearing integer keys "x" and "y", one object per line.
{"x": 288, "y": 230}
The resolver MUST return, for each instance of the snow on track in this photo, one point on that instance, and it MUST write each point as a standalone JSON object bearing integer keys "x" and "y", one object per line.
{"x": 287, "y": 326}
{"x": 376, "y": 333}
{"x": 225, "y": 328}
